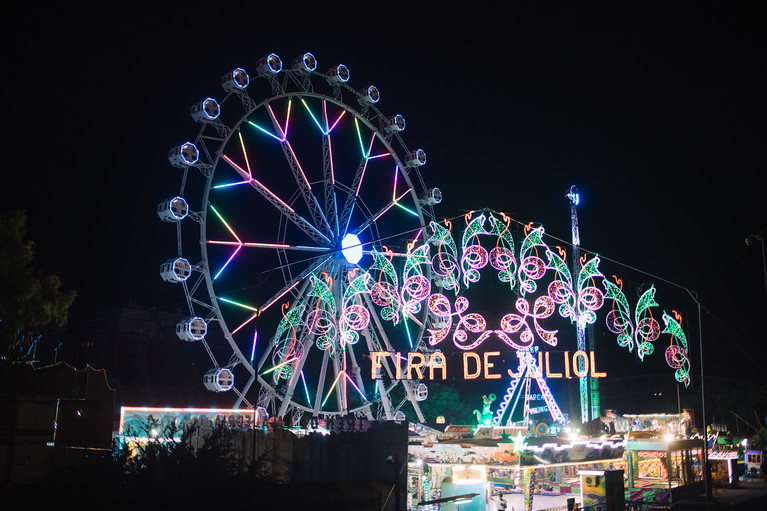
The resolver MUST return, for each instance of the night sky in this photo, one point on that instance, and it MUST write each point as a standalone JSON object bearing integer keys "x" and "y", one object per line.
{"x": 656, "y": 115}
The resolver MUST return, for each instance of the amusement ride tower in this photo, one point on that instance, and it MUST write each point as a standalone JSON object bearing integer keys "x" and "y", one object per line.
{"x": 589, "y": 387}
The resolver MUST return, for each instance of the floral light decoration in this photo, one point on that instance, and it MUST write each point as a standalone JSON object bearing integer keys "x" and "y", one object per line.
{"x": 676, "y": 353}
{"x": 444, "y": 264}
{"x": 321, "y": 319}
{"x": 288, "y": 347}
{"x": 398, "y": 292}
{"x": 640, "y": 332}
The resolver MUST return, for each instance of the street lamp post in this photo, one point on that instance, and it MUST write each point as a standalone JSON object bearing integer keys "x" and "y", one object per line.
{"x": 706, "y": 478}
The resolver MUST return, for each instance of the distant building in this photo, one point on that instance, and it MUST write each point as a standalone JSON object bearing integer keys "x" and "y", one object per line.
{"x": 50, "y": 416}
{"x": 144, "y": 359}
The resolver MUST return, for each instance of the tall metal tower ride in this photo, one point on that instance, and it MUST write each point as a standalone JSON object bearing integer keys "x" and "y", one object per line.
{"x": 589, "y": 389}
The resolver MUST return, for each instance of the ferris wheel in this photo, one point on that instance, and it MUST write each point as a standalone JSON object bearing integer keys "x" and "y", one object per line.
{"x": 297, "y": 195}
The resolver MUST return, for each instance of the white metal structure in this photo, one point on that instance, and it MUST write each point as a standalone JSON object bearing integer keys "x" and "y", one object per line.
{"x": 273, "y": 187}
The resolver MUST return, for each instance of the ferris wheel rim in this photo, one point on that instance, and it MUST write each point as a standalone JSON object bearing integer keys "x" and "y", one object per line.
{"x": 216, "y": 313}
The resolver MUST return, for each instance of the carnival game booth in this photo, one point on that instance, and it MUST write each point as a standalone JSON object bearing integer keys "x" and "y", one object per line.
{"x": 517, "y": 470}
{"x": 665, "y": 469}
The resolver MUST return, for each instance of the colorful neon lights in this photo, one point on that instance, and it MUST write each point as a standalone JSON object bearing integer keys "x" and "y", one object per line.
{"x": 579, "y": 301}
{"x": 676, "y": 353}
{"x": 399, "y": 292}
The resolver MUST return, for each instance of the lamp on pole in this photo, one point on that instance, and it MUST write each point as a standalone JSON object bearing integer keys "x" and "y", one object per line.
{"x": 759, "y": 237}
{"x": 706, "y": 479}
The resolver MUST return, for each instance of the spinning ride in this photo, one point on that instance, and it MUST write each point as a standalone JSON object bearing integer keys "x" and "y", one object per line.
{"x": 292, "y": 212}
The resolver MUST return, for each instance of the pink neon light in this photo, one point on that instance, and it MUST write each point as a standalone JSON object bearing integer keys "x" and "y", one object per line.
{"x": 227, "y": 262}
{"x": 359, "y": 185}
{"x": 280, "y": 296}
{"x": 393, "y": 202}
{"x": 370, "y": 146}
{"x": 339, "y": 118}
{"x": 283, "y": 132}
{"x": 285, "y": 140}
{"x": 355, "y": 386}
{"x": 248, "y": 244}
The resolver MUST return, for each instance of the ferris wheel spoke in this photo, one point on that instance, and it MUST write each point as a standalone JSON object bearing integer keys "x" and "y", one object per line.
{"x": 295, "y": 376}
{"x": 351, "y": 199}
{"x": 238, "y": 244}
{"x": 321, "y": 384}
{"x": 339, "y": 383}
{"x": 287, "y": 288}
{"x": 374, "y": 345}
{"x": 285, "y": 239}
{"x": 331, "y": 201}
{"x": 298, "y": 279}
{"x": 357, "y": 382}
{"x": 244, "y": 391}
{"x": 309, "y": 229}
{"x": 304, "y": 186}
{"x": 280, "y": 246}
{"x": 331, "y": 205}
{"x": 408, "y": 384}
{"x": 381, "y": 212}
{"x": 390, "y": 349}
{"x": 359, "y": 175}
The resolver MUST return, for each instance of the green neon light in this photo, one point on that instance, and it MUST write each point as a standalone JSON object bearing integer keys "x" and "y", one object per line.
{"x": 238, "y": 304}
{"x": 406, "y": 209}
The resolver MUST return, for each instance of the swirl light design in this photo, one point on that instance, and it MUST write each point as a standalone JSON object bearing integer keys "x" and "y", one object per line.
{"x": 400, "y": 291}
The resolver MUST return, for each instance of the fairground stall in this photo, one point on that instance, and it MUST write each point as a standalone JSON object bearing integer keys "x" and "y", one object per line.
{"x": 531, "y": 468}
{"x": 510, "y": 467}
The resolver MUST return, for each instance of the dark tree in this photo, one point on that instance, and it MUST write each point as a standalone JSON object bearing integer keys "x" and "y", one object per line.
{"x": 29, "y": 298}
{"x": 444, "y": 400}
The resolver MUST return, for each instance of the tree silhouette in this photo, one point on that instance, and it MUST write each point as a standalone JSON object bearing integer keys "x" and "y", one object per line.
{"x": 29, "y": 298}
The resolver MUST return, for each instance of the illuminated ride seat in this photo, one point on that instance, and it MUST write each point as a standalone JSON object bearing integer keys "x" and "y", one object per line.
{"x": 395, "y": 124}
{"x": 175, "y": 270}
{"x": 206, "y": 111}
{"x": 416, "y": 158}
{"x": 269, "y": 65}
{"x": 370, "y": 95}
{"x": 306, "y": 63}
{"x": 338, "y": 75}
{"x": 184, "y": 155}
{"x": 431, "y": 196}
{"x": 191, "y": 329}
{"x": 235, "y": 81}
{"x": 218, "y": 379}
{"x": 173, "y": 210}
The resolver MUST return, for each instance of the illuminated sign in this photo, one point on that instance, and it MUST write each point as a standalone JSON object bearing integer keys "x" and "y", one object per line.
{"x": 141, "y": 422}
{"x": 421, "y": 366}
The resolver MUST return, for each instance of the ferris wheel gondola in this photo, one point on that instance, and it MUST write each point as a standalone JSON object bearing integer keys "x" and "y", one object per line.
{"x": 288, "y": 209}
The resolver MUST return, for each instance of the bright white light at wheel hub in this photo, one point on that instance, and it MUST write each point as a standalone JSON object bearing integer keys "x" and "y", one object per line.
{"x": 351, "y": 248}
